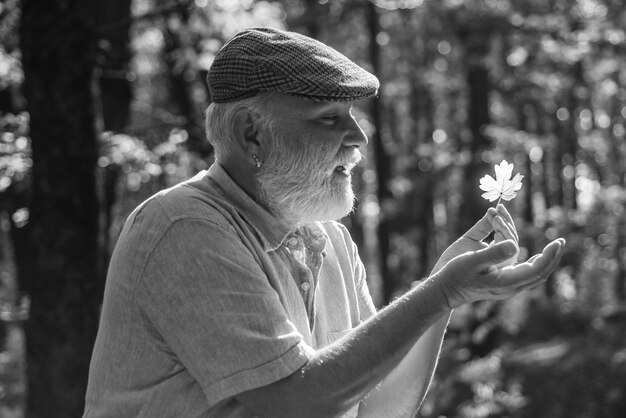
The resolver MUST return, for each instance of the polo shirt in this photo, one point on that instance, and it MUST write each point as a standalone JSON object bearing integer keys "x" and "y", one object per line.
{"x": 209, "y": 295}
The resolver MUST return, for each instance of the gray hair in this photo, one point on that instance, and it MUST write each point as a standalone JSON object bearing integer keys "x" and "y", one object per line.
{"x": 219, "y": 120}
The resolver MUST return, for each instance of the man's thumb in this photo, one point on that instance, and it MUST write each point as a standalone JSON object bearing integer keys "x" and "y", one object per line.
{"x": 497, "y": 253}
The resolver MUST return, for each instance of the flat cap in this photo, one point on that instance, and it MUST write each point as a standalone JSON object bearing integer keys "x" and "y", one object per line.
{"x": 270, "y": 60}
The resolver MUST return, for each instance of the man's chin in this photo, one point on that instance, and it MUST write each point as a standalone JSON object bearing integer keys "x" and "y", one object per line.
{"x": 333, "y": 212}
{"x": 337, "y": 203}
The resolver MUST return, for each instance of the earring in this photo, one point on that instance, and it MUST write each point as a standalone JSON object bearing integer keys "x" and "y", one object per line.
{"x": 257, "y": 162}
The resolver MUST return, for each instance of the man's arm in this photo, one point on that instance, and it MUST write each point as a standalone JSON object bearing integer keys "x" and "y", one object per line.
{"x": 402, "y": 392}
{"x": 337, "y": 377}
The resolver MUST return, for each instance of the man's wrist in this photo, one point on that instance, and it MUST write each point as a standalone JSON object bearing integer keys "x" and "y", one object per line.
{"x": 439, "y": 290}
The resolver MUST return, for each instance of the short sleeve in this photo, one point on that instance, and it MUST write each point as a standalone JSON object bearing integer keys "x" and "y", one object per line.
{"x": 205, "y": 292}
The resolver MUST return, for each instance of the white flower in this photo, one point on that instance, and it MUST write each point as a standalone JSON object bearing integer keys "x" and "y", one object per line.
{"x": 503, "y": 186}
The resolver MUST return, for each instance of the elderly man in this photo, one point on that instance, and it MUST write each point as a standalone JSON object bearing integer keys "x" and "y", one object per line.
{"x": 237, "y": 294}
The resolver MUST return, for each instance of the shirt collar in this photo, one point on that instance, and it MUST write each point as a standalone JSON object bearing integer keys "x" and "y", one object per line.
{"x": 270, "y": 229}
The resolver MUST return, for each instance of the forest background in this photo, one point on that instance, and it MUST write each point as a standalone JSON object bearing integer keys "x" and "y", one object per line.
{"x": 101, "y": 105}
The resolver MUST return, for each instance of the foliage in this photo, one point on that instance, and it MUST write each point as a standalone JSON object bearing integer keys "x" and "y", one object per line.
{"x": 15, "y": 154}
{"x": 556, "y": 365}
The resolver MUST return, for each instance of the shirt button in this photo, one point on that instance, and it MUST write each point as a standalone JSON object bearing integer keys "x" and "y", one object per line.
{"x": 293, "y": 241}
{"x": 305, "y": 286}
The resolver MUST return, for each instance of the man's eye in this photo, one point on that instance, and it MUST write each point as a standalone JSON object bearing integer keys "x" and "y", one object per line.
{"x": 329, "y": 119}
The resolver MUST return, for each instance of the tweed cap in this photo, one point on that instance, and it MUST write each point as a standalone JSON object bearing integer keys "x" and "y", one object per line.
{"x": 264, "y": 59}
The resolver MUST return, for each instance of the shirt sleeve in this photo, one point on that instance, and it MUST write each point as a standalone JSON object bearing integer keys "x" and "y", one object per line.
{"x": 205, "y": 292}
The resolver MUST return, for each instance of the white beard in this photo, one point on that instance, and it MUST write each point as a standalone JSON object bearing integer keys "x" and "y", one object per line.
{"x": 298, "y": 182}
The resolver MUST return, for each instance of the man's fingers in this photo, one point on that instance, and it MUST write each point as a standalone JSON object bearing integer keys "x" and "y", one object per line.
{"x": 499, "y": 236}
{"x": 495, "y": 254}
{"x": 483, "y": 227}
{"x": 502, "y": 211}
{"x": 533, "y": 258}
{"x": 528, "y": 286}
{"x": 536, "y": 270}
{"x": 503, "y": 229}
{"x": 550, "y": 255}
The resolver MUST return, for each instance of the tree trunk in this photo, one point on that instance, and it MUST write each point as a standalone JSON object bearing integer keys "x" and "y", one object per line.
{"x": 476, "y": 34}
{"x": 383, "y": 165}
{"x": 568, "y": 144}
{"x": 115, "y": 96}
{"x": 114, "y": 55}
{"x": 59, "y": 56}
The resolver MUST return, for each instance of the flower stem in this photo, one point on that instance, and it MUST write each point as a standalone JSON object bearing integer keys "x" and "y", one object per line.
{"x": 498, "y": 202}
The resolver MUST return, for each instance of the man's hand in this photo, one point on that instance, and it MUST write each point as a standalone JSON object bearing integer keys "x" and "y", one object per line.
{"x": 496, "y": 219}
{"x": 482, "y": 274}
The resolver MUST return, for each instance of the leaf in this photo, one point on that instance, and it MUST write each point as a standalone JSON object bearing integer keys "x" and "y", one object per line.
{"x": 503, "y": 186}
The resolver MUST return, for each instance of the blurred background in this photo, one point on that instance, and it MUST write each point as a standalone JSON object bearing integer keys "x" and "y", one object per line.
{"x": 101, "y": 105}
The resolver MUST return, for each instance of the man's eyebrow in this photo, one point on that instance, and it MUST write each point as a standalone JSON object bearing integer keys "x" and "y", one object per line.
{"x": 325, "y": 107}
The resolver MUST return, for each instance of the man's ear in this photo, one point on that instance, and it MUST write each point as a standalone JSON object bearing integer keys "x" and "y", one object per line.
{"x": 245, "y": 131}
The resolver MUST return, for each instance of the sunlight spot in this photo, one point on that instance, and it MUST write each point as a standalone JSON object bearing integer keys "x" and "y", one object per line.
{"x": 588, "y": 191}
{"x": 369, "y": 175}
{"x": 133, "y": 181}
{"x": 565, "y": 285}
{"x": 371, "y": 208}
{"x": 382, "y": 38}
{"x": 444, "y": 47}
{"x": 439, "y": 136}
{"x": 517, "y": 57}
{"x": 154, "y": 169}
{"x": 20, "y": 217}
{"x": 568, "y": 172}
{"x": 586, "y": 121}
{"x": 535, "y": 154}
{"x": 603, "y": 120}
{"x": 439, "y": 214}
{"x": 440, "y": 64}
{"x": 5, "y": 182}
{"x": 552, "y": 233}
{"x": 21, "y": 143}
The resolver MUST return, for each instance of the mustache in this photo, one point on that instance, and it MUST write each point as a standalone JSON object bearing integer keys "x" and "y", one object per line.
{"x": 348, "y": 158}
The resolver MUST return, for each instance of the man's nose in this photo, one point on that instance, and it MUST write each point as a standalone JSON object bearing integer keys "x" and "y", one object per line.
{"x": 354, "y": 135}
